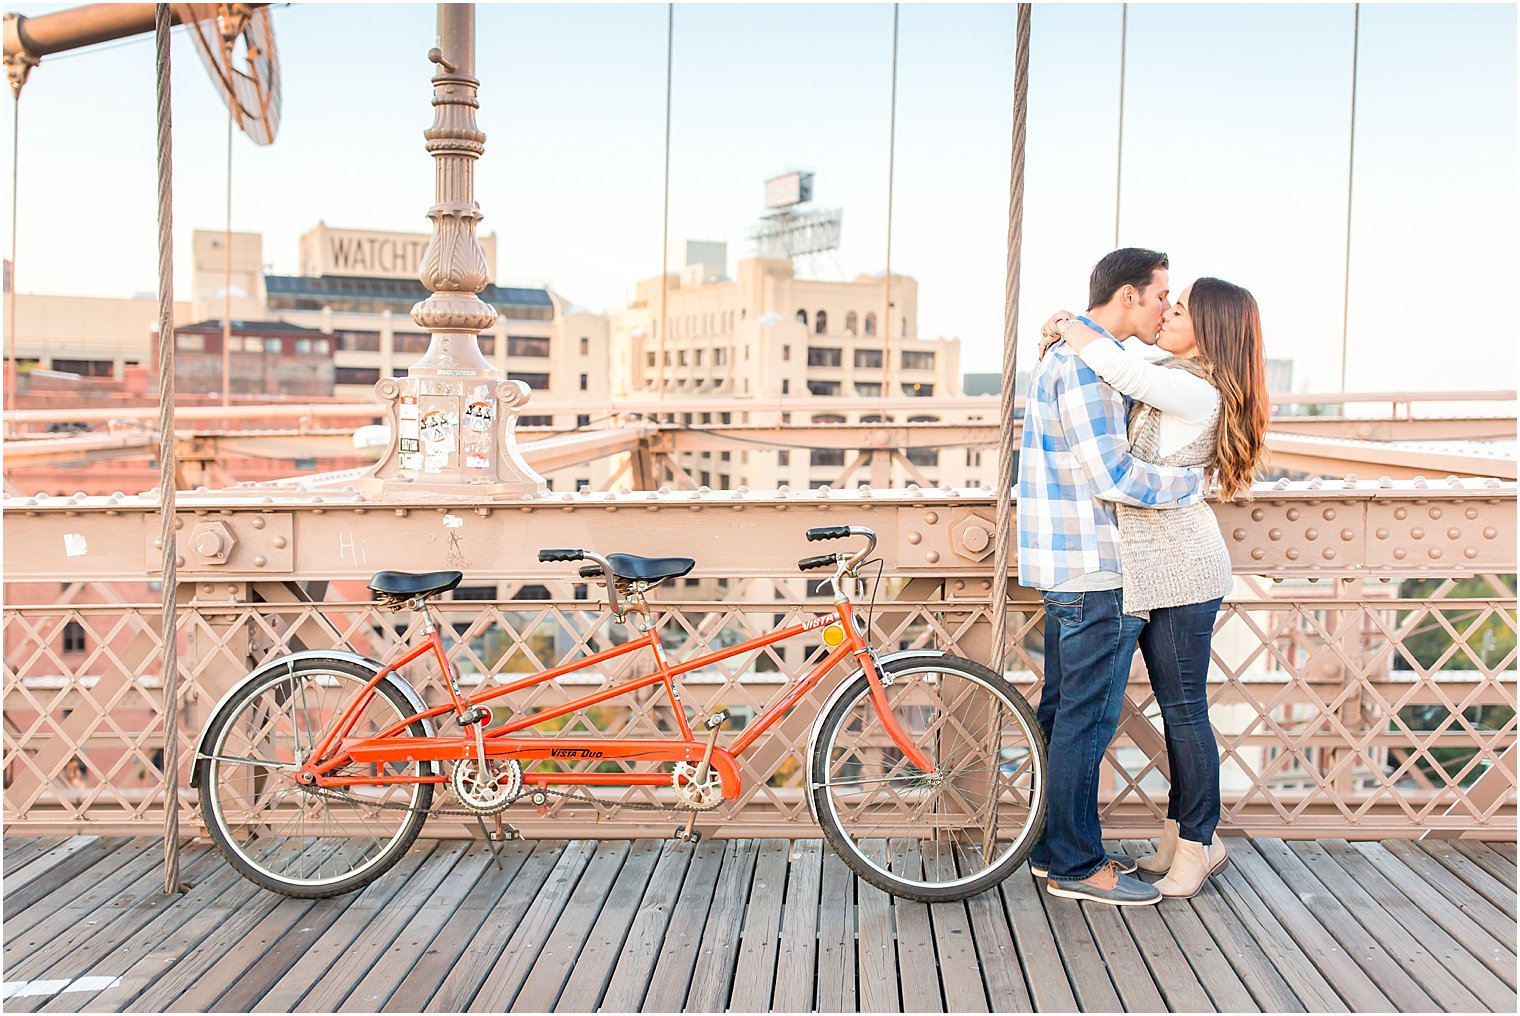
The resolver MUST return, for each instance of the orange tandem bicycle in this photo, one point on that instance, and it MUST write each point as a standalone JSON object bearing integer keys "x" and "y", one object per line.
{"x": 925, "y": 771}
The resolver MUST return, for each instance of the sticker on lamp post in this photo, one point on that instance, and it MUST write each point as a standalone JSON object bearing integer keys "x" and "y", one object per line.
{"x": 440, "y": 439}
{"x": 410, "y": 445}
{"x": 478, "y": 417}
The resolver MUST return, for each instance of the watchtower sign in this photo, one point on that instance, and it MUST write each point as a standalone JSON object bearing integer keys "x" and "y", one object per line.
{"x": 372, "y": 254}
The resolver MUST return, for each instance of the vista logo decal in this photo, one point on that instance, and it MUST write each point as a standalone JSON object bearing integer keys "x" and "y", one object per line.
{"x": 573, "y": 753}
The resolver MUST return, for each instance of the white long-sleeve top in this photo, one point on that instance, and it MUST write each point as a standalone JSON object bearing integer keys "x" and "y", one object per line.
{"x": 1186, "y": 400}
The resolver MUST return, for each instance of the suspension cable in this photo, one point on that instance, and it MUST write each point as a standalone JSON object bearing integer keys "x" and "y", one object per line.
{"x": 886, "y": 300}
{"x": 13, "y": 380}
{"x": 227, "y": 275}
{"x": 166, "y": 456}
{"x": 670, "y": 36}
{"x": 1010, "y": 345}
{"x": 1119, "y": 160}
{"x": 1356, "y": 38}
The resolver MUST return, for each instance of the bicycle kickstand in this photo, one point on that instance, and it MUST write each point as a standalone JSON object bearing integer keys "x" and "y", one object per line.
{"x": 501, "y": 836}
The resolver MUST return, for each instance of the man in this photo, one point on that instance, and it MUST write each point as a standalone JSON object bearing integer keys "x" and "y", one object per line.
{"x": 1074, "y": 464}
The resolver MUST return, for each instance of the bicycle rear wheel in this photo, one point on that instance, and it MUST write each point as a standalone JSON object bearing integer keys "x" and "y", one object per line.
{"x": 931, "y": 836}
{"x": 308, "y": 842}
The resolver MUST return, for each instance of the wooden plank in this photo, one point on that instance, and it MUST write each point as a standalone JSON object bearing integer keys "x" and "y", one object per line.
{"x": 67, "y": 866}
{"x": 997, "y": 956}
{"x": 1172, "y": 938}
{"x": 546, "y": 979}
{"x": 97, "y": 959}
{"x": 1463, "y": 896}
{"x": 1269, "y": 964}
{"x": 797, "y": 962}
{"x": 954, "y": 944}
{"x": 21, "y": 852}
{"x": 713, "y": 975}
{"x": 108, "y": 926}
{"x": 876, "y": 953}
{"x": 192, "y": 944}
{"x": 500, "y": 896}
{"x": 1489, "y": 860}
{"x": 134, "y": 858}
{"x": 1305, "y": 860}
{"x": 314, "y": 957}
{"x": 1086, "y": 967}
{"x": 1297, "y": 920}
{"x": 593, "y": 969}
{"x": 243, "y": 981}
{"x": 635, "y": 965}
{"x": 756, "y": 972}
{"x": 836, "y": 937}
{"x": 206, "y": 988}
{"x": 1481, "y": 882}
{"x": 1504, "y": 848}
{"x": 61, "y": 852}
{"x": 1044, "y": 968}
{"x": 418, "y": 935}
{"x": 505, "y": 977}
{"x": 919, "y": 980}
{"x": 1385, "y": 970}
{"x": 1402, "y": 913}
{"x": 660, "y": 970}
{"x": 1126, "y": 962}
{"x": 1490, "y": 951}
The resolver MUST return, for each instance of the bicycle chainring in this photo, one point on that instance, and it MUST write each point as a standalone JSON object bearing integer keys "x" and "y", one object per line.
{"x": 693, "y": 796}
{"x": 490, "y": 792}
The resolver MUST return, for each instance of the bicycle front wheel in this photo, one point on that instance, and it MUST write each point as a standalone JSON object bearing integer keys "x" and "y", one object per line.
{"x": 941, "y": 835}
{"x": 308, "y": 842}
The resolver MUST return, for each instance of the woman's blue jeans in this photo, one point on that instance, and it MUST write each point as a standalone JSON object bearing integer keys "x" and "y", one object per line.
{"x": 1175, "y": 645}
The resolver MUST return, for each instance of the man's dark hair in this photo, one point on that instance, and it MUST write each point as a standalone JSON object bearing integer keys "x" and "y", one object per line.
{"x": 1127, "y": 266}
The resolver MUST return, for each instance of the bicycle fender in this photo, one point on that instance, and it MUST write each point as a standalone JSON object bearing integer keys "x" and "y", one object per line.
{"x": 838, "y": 692}
{"x": 373, "y": 666}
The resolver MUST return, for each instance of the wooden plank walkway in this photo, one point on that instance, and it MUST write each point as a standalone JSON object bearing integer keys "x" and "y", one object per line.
{"x": 754, "y": 926}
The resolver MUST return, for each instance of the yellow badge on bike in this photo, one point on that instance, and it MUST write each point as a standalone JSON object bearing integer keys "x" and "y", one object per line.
{"x": 833, "y": 635}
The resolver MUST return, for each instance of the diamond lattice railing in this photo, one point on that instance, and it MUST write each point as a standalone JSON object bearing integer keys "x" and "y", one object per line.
{"x": 1338, "y": 711}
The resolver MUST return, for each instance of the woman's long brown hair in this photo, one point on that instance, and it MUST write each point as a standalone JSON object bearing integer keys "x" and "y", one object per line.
{"x": 1227, "y": 328}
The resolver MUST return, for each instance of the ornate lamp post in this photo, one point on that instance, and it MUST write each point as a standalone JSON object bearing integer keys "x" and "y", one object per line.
{"x": 453, "y": 418}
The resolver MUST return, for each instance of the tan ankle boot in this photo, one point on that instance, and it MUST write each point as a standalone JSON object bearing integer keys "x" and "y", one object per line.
{"x": 1191, "y": 867}
{"x": 1161, "y": 861}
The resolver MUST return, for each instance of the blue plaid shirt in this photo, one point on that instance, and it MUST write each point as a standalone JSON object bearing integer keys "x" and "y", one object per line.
{"x": 1074, "y": 465}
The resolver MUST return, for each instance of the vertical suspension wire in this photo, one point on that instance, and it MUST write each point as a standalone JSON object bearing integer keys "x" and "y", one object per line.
{"x": 13, "y": 378}
{"x": 1119, "y": 159}
{"x": 1356, "y": 38}
{"x": 886, "y": 300}
{"x": 659, "y": 365}
{"x": 1003, "y": 551}
{"x": 227, "y": 276}
{"x": 166, "y": 458}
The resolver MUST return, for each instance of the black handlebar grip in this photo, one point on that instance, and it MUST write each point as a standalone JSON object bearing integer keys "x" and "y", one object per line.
{"x": 591, "y": 571}
{"x": 561, "y": 555}
{"x": 828, "y": 533}
{"x": 821, "y": 561}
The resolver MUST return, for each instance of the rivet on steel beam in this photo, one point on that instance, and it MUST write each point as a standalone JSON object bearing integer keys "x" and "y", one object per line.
{"x": 1239, "y": 535}
{"x": 1313, "y": 578}
{"x": 1281, "y": 484}
{"x": 932, "y": 518}
{"x": 1401, "y": 513}
{"x": 179, "y": 560}
{"x": 1419, "y": 482}
{"x": 1350, "y": 480}
{"x": 1417, "y": 533}
{"x": 482, "y": 511}
{"x": 1274, "y": 534}
{"x": 279, "y": 542}
{"x": 1257, "y": 553}
{"x": 1292, "y": 553}
{"x": 1316, "y": 483}
{"x": 260, "y": 561}
{"x": 1350, "y": 534}
{"x": 402, "y": 513}
{"x": 257, "y": 522}
{"x": 915, "y": 538}
{"x": 1384, "y": 482}
{"x": 932, "y": 557}
{"x": 1329, "y": 514}
{"x": 1328, "y": 553}
{"x": 1311, "y": 534}
{"x": 1399, "y": 553}
{"x": 625, "y": 489}
{"x": 1435, "y": 513}
{"x": 663, "y": 491}
{"x": 1455, "y": 481}
{"x": 1471, "y": 513}
{"x": 1471, "y": 552}
{"x": 80, "y": 495}
{"x": 179, "y": 523}
{"x": 1293, "y": 514}
{"x": 954, "y": 492}
{"x": 1490, "y": 533}
{"x": 1453, "y": 533}
{"x": 202, "y": 489}
{"x": 1257, "y": 514}
{"x": 914, "y": 487}
{"x": 1491, "y": 483}
{"x": 1435, "y": 553}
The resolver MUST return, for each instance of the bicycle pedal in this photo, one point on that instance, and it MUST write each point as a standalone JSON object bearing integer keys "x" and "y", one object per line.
{"x": 717, "y": 719}
{"x": 684, "y": 836}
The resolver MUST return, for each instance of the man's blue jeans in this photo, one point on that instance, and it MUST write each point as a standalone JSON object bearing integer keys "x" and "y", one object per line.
{"x": 1089, "y": 643}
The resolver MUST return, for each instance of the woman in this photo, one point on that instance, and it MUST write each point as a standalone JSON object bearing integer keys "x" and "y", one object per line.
{"x": 1205, "y": 406}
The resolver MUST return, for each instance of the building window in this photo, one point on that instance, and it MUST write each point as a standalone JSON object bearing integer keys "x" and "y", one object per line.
{"x": 870, "y": 324}
{"x": 73, "y": 637}
{"x": 303, "y": 347}
{"x": 699, "y": 357}
{"x": 535, "y": 421}
{"x": 915, "y": 360}
{"x": 868, "y": 389}
{"x": 188, "y": 344}
{"x": 585, "y": 382}
{"x": 92, "y": 368}
{"x": 851, "y": 323}
{"x": 585, "y": 346}
{"x": 410, "y": 342}
{"x": 786, "y": 385}
{"x": 823, "y": 387}
{"x": 825, "y": 356}
{"x": 923, "y": 456}
{"x": 802, "y": 316}
{"x": 918, "y": 389}
{"x": 649, "y": 358}
{"x": 355, "y": 375}
{"x": 487, "y": 344}
{"x": 358, "y": 342}
{"x": 681, "y": 358}
{"x": 826, "y": 418}
{"x": 786, "y": 353}
{"x": 475, "y": 593}
{"x": 527, "y": 345}
{"x": 583, "y": 420}
{"x": 867, "y": 358}
{"x": 826, "y": 457}
{"x": 783, "y": 458}
{"x": 821, "y": 322}
{"x": 536, "y": 381}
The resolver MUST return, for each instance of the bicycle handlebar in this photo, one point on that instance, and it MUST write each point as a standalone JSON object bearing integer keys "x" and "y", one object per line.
{"x": 821, "y": 561}
{"x": 561, "y": 554}
{"x": 829, "y": 533}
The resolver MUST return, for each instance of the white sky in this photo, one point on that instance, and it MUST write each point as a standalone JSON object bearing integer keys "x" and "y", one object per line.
{"x": 1235, "y": 153}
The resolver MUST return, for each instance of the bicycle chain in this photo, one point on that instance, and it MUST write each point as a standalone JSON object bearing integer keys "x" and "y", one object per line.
{"x": 397, "y": 806}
